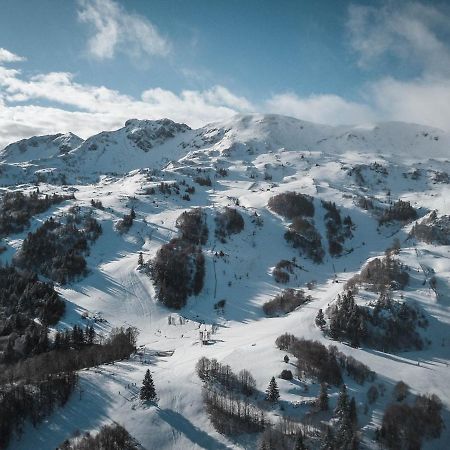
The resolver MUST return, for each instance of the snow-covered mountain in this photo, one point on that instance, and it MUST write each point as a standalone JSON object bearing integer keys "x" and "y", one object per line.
{"x": 161, "y": 169}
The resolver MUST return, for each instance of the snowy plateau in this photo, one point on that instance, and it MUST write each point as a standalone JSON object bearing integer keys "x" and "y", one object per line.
{"x": 354, "y": 175}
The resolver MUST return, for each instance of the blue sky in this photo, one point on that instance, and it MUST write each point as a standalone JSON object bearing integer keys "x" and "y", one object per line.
{"x": 88, "y": 65}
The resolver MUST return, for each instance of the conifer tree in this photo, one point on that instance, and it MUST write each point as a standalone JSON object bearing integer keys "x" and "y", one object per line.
{"x": 352, "y": 413}
{"x": 148, "y": 392}
{"x": 328, "y": 441}
{"x": 322, "y": 400}
{"x": 342, "y": 407}
{"x": 320, "y": 320}
{"x": 299, "y": 444}
{"x": 140, "y": 259}
{"x": 272, "y": 392}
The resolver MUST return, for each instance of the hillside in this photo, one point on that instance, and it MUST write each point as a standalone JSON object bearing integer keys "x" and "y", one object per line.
{"x": 386, "y": 178}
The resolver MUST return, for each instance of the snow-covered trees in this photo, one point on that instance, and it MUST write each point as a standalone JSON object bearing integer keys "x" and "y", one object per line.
{"x": 400, "y": 211}
{"x": 320, "y": 319}
{"x": 178, "y": 268}
{"x": 406, "y": 426}
{"x": 387, "y": 325}
{"x": 285, "y": 302}
{"x": 16, "y": 209}
{"x": 110, "y": 437}
{"x": 272, "y": 391}
{"x": 228, "y": 222}
{"x": 57, "y": 250}
{"x": 346, "y": 437}
{"x": 227, "y": 398}
{"x": 338, "y": 230}
{"x": 292, "y": 204}
{"x": 148, "y": 392}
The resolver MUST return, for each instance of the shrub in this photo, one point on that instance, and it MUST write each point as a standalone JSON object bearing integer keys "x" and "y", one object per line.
{"x": 401, "y": 391}
{"x": 292, "y": 204}
{"x": 286, "y": 375}
{"x": 282, "y": 270}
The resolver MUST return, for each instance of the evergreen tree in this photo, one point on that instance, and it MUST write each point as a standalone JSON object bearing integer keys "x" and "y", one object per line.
{"x": 299, "y": 444}
{"x": 322, "y": 400}
{"x": 342, "y": 408}
{"x": 320, "y": 320}
{"x": 328, "y": 441}
{"x": 148, "y": 392}
{"x": 140, "y": 260}
{"x": 89, "y": 335}
{"x": 352, "y": 413}
{"x": 272, "y": 392}
{"x": 132, "y": 213}
{"x": 286, "y": 359}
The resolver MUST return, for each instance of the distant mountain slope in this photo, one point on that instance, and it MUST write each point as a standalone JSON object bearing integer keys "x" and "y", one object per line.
{"x": 155, "y": 143}
{"x": 39, "y": 147}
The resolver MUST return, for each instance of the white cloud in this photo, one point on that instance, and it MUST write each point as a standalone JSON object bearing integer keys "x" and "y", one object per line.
{"x": 116, "y": 30}
{"x": 8, "y": 57}
{"x": 328, "y": 109}
{"x": 410, "y": 32}
{"x": 425, "y": 101}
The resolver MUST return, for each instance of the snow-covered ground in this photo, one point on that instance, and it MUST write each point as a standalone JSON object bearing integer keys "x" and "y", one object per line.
{"x": 263, "y": 156}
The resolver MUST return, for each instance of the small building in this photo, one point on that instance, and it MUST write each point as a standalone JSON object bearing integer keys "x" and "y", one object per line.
{"x": 204, "y": 336}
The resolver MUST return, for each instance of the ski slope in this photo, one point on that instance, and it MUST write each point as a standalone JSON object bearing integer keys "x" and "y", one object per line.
{"x": 263, "y": 155}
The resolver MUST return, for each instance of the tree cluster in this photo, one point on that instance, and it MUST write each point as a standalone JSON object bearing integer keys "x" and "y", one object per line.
{"x": 120, "y": 344}
{"x": 433, "y": 230}
{"x": 381, "y": 274}
{"x": 16, "y": 209}
{"x": 283, "y": 270}
{"x": 302, "y": 234}
{"x": 285, "y": 302}
{"x": 292, "y": 204}
{"x": 387, "y": 325}
{"x": 192, "y": 226}
{"x": 231, "y": 414}
{"x": 286, "y": 435}
{"x": 57, "y": 250}
{"x": 313, "y": 358}
{"x": 400, "y": 211}
{"x": 226, "y": 396}
{"x": 344, "y": 434}
{"x": 124, "y": 224}
{"x": 212, "y": 372}
{"x": 110, "y": 437}
{"x": 23, "y": 298}
{"x": 228, "y": 222}
{"x": 178, "y": 269}
{"x": 406, "y": 426}
{"x": 338, "y": 230}
{"x": 32, "y": 401}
